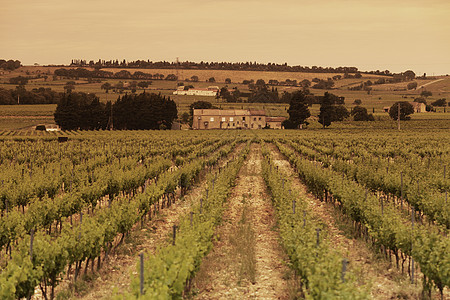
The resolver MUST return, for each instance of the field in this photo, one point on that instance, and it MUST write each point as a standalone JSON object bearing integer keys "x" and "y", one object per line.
{"x": 381, "y": 96}
{"x": 343, "y": 213}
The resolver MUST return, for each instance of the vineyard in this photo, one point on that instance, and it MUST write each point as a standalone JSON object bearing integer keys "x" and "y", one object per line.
{"x": 316, "y": 214}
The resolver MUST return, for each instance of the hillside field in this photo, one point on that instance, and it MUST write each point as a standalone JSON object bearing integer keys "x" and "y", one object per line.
{"x": 381, "y": 96}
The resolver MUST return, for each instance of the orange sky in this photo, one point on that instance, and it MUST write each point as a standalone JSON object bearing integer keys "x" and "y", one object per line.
{"x": 385, "y": 34}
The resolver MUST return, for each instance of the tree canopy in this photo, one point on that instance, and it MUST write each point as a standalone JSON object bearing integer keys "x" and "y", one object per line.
{"x": 298, "y": 110}
{"x": 406, "y": 109}
{"x": 143, "y": 111}
{"x": 80, "y": 111}
{"x": 360, "y": 114}
{"x": 326, "y": 115}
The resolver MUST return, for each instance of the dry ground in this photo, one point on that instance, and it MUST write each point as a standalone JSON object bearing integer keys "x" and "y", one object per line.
{"x": 247, "y": 260}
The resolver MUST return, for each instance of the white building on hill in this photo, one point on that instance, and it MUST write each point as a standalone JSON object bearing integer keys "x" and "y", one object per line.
{"x": 209, "y": 91}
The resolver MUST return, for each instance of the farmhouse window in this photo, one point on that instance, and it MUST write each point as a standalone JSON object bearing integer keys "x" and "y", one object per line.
{"x": 223, "y": 119}
{"x": 212, "y": 119}
{"x": 231, "y": 119}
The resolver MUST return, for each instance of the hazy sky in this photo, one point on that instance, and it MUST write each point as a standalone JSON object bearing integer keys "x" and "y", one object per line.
{"x": 385, "y": 34}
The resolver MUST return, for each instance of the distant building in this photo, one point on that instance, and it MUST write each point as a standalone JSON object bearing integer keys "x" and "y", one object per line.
{"x": 209, "y": 91}
{"x": 275, "y": 122}
{"x": 418, "y": 107}
{"x": 228, "y": 119}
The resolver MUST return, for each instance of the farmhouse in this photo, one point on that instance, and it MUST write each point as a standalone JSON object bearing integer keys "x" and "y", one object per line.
{"x": 228, "y": 119}
{"x": 275, "y": 122}
{"x": 209, "y": 91}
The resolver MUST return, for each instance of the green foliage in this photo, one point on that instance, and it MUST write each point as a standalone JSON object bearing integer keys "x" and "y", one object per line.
{"x": 440, "y": 102}
{"x": 326, "y": 115}
{"x": 359, "y": 113}
{"x": 10, "y": 64}
{"x": 81, "y": 111}
{"x": 384, "y": 224}
{"x": 298, "y": 110}
{"x": 85, "y": 240}
{"x": 426, "y": 94}
{"x": 406, "y": 109}
{"x": 319, "y": 266}
{"x": 144, "y": 111}
{"x": 412, "y": 86}
{"x": 340, "y": 113}
{"x": 167, "y": 272}
{"x": 20, "y": 80}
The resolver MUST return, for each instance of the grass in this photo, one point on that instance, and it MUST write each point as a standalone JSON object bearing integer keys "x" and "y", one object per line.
{"x": 243, "y": 242}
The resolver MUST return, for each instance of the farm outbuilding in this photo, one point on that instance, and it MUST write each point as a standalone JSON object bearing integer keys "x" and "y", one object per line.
{"x": 418, "y": 107}
{"x": 275, "y": 122}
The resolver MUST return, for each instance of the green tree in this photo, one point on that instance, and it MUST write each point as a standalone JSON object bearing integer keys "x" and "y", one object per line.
{"x": 106, "y": 86}
{"x": 69, "y": 87}
{"x": 20, "y": 80}
{"x": 298, "y": 110}
{"x": 194, "y": 78}
{"x": 227, "y": 80}
{"x": 412, "y": 85}
{"x": 326, "y": 114}
{"x": 409, "y": 75}
{"x": 360, "y": 114}
{"x": 144, "y": 111}
{"x": 406, "y": 109}
{"x": 143, "y": 85}
{"x": 185, "y": 118}
{"x": 426, "y": 94}
{"x": 80, "y": 111}
{"x": 171, "y": 77}
{"x": 440, "y": 102}
{"x": 340, "y": 113}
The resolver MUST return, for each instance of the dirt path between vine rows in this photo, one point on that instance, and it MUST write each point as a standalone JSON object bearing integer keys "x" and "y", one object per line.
{"x": 386, "y": 281}
{"x": 116, "y": 274}
{"x": 247, "y": 261}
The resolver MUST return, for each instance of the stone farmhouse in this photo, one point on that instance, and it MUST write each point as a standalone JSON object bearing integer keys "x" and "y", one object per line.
{"x": 233, "y": 119}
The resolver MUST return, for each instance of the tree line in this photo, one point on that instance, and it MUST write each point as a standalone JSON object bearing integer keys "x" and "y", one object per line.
{"x": 260, "y": 92}
{"x": 236, "y": 66}
{"x": 10, "y": 64}
{"x": 142, "y": 111}
{"x": 36, "y": 96}
{"x": 331, "y": 110}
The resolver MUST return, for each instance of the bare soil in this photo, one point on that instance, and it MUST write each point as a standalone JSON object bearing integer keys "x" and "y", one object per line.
{"x": 247, "y": 261}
